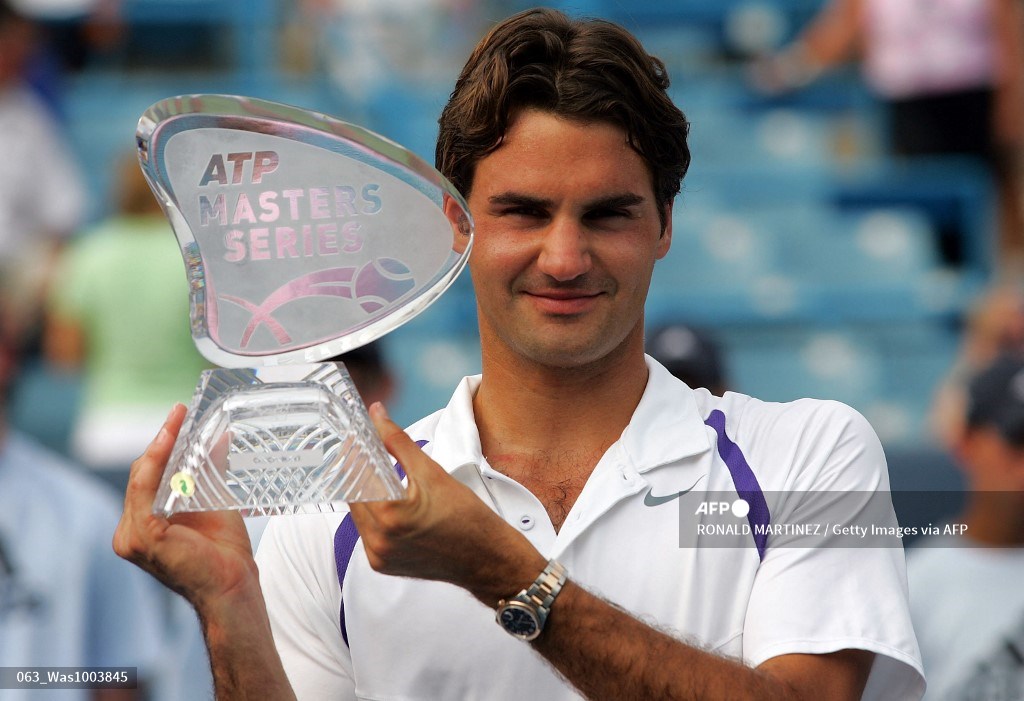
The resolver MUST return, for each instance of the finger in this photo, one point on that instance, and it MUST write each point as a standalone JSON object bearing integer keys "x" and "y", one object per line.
{"x": 147, "y": 470}
{"x": 414, "y": 461}
{"x": 365, "y": 519}
{"x": 131, "y": 538}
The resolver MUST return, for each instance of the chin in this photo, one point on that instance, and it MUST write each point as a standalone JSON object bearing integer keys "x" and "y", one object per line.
{"x": 560, "y": 346}
{"x": 567, "y": 356}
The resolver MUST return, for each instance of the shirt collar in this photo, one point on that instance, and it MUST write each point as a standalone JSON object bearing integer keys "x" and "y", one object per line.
{"x": 456, "y": 438}
{"x": 665, "y": 427}
{"x": 667, "y": 424}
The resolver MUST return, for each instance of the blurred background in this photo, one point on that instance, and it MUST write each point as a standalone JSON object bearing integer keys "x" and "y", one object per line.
{"x": 821, "y": 263}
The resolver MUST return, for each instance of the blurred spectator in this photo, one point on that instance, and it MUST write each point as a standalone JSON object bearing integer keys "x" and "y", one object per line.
{"x": 995, "y": 325}
{"x": 951, "y": 74}
{"x": 120, "y": 315}
{"x": 966, "y": 597}
{"x": 65, "y": 598}
{"x": 75, "y": 29}
{"x": 42, "y": 196}
{"x": 70, "y": 33}
{"x": 690, "y": 354}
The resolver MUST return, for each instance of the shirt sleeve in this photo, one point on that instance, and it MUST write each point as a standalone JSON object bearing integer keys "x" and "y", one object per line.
{"x": 859, "y": 592}
{"x": 300, "y": 584}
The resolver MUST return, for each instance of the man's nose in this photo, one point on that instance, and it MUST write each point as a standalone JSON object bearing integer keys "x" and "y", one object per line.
{"x": 565, "y": 250}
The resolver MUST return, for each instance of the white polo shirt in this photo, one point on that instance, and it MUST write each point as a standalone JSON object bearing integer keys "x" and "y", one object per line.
{"x": 347, "y": 632}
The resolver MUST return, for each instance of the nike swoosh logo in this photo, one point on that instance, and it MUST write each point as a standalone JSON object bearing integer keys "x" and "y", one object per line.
{"x": 651, "y": 500}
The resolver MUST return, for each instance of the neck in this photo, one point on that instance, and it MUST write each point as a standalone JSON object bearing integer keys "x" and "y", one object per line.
{"x": 525, "y": 411}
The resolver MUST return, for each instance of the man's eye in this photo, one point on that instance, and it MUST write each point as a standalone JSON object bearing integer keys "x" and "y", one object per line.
{"x": 609, "y": 214}
{"x": 522, "y": 212}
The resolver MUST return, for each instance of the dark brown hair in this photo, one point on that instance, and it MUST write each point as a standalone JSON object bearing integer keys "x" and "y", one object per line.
{"x": 591, "y": 70}
{"x": 133, "y": 194}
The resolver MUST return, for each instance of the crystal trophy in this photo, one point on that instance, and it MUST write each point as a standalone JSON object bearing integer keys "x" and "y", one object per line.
{"x": 303, "y": 237}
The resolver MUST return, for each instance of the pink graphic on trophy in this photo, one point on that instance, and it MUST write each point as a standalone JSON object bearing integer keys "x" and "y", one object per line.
{"x": 374, "y": 285}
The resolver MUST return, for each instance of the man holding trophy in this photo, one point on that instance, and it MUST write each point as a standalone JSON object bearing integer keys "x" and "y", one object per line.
{"x": 541, "y": 549}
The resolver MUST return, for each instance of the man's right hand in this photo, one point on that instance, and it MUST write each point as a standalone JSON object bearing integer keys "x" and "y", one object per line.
{"x": 205, "y": 557}
{"x": 202, "y": 556}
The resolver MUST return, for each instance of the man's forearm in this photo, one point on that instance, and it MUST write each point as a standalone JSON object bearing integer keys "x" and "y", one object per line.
{"x": 243, "y": 657}
{"x": 608, "y": 654}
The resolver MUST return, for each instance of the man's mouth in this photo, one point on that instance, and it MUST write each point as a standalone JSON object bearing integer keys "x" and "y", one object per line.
{"x": 563, "y": 301}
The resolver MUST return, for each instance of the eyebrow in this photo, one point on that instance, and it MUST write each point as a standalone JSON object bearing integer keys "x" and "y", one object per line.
{"x": 628, "y": 199}
{"x": 514, "y": 198}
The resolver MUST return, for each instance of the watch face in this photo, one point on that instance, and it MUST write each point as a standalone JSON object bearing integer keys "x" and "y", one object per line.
{"x": 520, "y": 621}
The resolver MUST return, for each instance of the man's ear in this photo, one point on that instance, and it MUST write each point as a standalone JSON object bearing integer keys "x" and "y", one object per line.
{"x": 460, "y": 223}
{"x": 665, "y": 242}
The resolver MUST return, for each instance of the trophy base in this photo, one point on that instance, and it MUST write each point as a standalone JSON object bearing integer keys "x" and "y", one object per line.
{"x": 276, "y": 440}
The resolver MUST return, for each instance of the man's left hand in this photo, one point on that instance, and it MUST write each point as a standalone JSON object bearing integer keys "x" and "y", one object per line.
{"x": 441, "y": 531}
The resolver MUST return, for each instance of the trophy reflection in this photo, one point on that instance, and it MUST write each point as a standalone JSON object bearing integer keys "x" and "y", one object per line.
{"x": 303, "y": 237}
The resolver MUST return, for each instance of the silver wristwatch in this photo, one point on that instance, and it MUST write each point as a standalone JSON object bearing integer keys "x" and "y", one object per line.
{"x": 524, "y": 615}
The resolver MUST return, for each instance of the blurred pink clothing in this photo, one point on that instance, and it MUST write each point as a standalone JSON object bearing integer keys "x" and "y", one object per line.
{"x": 923, "y": 47}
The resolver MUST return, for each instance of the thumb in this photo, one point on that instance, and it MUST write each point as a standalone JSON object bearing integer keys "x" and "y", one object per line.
{"x": 414, "y": 461}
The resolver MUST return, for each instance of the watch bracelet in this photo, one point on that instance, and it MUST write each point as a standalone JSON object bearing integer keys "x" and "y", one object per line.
{"x": 549, "y": 583}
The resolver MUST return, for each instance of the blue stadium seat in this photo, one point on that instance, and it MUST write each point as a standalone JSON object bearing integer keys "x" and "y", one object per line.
{"x": 889, "y": 372}
{"x": 773, "y": 138}
{"x": 721, "y": 268}
{"x": 825, "y": 364}
{"x": 874, "y": 265}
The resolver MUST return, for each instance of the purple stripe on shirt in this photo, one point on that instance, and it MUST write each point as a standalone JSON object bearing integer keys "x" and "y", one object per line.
{"x": 746, "y": 483}
{"x": 345, "y": 544}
